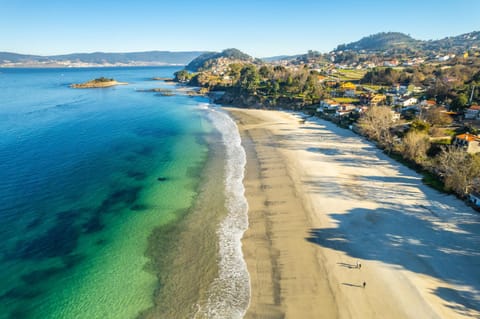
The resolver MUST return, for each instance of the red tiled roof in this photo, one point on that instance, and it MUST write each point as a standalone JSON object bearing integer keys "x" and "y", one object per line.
{"x": 467, "y": 137}
{"x": 474, "y": 108}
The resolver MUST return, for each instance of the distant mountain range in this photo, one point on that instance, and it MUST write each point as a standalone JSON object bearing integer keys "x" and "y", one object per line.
{"x": 384, "y": 42}
{"x": 100, "y": 59}
{"x": 281, "y": 58}
{"x": 399, "y": 41}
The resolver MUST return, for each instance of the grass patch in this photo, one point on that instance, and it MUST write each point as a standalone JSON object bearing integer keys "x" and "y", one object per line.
{"x": 348, "y": 100}
{"x": 433, "y": 181}
{"x": 350, "y": 75}
{"x": 373, "y": 87}
{"x": 428, "y": 178}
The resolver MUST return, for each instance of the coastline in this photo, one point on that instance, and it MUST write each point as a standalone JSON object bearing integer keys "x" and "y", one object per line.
{"x": 198, "y": 259}
{"x": 322, "y": 199}
{"x": 183, "y": 253}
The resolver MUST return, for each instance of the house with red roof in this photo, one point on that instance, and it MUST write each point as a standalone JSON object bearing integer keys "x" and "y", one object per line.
{"x": 467, "y": 141}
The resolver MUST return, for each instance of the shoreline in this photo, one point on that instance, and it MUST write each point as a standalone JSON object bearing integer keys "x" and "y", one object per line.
{"x": 181, "y": 283}
{"x": 322, "y": 199}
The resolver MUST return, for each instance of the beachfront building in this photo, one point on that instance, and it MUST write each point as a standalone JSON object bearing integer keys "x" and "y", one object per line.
{"x": 327, "y": 105}
{"x": 344, "y": 109}
{"x": 469, "y": 142}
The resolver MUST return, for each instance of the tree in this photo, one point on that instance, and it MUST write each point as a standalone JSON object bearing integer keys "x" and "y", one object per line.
{"x": 234, "y": 71}
{"x": 459, "y": 102}
{"x": 420, "y": 126}
{"x": 249, "y": 78}
{"x": 437, "y": 116}
{"x": 182, "y": 76}
{"x": 415, "y": 146}
{"x": 458, "y": 168}
{"x": 265, "y": 72}
{"x": 376, "y": 123}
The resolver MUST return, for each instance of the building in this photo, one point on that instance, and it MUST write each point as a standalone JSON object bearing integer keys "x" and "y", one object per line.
{"x": 391, "y": 63}
{"x": 349, "y": 93}
{"x": 327, "y": 105}
{"x": 473, "y": 112}
{"x": 344, "y": 109}
{"x": 405, "y": 101}
{"x": 469, "y": 142}
{"x": 377, "y": 99}
{"x": 347, "y": 86}
{"x": 428, "y": 104}
{"x": 395, "y": 116}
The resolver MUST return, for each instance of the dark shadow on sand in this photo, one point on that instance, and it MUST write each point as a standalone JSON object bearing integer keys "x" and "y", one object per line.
{"x": 388, "y": 235}
{"x": 352, "y": 285}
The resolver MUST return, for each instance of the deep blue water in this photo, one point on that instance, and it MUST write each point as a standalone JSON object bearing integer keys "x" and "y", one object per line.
{"x": 74, "y": 163}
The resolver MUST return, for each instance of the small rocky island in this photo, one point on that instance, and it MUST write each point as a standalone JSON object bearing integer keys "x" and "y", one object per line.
{"x": 101, "y": 82}
{"x": 159, "y": 91}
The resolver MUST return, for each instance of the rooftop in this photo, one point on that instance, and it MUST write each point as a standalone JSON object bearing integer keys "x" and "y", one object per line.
{"x": 468, "y": 137}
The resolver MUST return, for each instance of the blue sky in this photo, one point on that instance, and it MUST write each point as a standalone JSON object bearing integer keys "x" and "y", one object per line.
{"x": 260, "y": 28}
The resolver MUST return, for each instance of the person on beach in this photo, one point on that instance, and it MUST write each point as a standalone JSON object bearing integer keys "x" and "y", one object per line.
{"x": 364, "y": 284}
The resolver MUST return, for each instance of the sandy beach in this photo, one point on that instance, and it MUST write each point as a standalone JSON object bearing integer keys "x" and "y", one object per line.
{"x": 322, "y": 200}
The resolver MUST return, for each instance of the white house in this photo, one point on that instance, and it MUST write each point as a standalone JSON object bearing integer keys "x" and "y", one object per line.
{"x": 395, "y": 116}
{"x": 446, "y": 57}
{"x": 329, "y": 105}
{"x": 408, "y": 102}
{"x": 344, "y": 109}
{"x": 469, "y": 142}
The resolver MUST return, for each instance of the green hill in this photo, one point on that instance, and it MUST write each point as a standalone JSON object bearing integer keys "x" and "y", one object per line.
{"x": 458, "y": 43}
{"x": 381, "y": 41}
{"x": 207, "y": 59}
{"x": 385, "y": 41}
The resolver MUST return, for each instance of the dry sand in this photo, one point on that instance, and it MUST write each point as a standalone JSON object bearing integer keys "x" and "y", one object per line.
{"x": 322, "y": 199}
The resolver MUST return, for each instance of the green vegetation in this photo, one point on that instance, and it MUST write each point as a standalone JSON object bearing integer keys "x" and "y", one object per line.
{"x": 350, "y": 75}
{"x": 182, "y": 76}
{"x": 102, "y": 79}
{"x": 101, "y": 82}
{"x": 206, "y": 60}
{"x": 381, "y": 41}
{"x": 400, "y": 43}
{"x": 422, "y": 139}
{"x": 247, "y": 83}
{"x": 346, "y": 100}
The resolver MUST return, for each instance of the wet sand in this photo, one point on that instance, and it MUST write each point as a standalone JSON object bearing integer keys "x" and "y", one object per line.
{"x": 322, "y": 199}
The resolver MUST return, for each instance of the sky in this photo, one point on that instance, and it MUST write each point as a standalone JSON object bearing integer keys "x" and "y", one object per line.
{"x": 260, "y": 28}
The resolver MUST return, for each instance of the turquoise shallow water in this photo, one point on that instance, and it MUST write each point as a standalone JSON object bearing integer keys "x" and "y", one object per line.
{"x": 85, "y": 177}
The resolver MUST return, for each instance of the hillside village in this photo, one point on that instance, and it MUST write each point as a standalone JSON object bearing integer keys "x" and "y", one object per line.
{"x": 431, "y": 95}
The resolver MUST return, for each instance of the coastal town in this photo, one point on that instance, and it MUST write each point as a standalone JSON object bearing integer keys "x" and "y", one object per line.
{"x": 421, "y": 106}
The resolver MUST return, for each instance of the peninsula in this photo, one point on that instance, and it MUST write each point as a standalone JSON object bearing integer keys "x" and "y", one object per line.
{"x": 101, "y": 82}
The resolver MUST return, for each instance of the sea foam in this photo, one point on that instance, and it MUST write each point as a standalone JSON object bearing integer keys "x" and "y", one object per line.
{"x": 229, "y": 293}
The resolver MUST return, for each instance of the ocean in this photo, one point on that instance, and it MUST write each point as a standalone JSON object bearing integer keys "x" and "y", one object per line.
{"x": 118, "y": 203}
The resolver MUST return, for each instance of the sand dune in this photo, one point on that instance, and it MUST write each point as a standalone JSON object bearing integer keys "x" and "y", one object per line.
{"x": 323, "y": 199}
